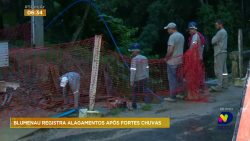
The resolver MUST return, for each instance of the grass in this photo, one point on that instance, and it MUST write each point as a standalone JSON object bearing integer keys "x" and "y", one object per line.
{"x": 146, "y": 107}
{"x": 116, "y": 111}
{"x": 161, "y": 110}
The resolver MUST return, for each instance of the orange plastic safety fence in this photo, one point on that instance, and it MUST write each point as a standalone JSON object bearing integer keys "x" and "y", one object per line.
{"x": 38, "y": 71}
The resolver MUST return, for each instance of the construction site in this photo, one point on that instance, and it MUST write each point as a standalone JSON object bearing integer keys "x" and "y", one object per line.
{"x": 34, "y": 74}
{"x": 32, "y": 67}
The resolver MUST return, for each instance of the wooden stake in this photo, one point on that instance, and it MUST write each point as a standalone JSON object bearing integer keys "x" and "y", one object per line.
{"x": 94, "y": 73}
{"x": 240, "y": 48}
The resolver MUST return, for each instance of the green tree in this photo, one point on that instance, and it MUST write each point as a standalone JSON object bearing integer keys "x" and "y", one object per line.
{"x": 229, "y": 12}
{"x": 125, "y": 35}
{"x": 1, "y": 15}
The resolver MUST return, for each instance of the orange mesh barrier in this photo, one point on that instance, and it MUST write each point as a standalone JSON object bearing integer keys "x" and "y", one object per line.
{"x": 37, "y": 70}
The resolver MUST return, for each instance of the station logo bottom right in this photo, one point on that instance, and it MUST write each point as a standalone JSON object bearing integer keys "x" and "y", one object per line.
{"x": 225, "y": 118}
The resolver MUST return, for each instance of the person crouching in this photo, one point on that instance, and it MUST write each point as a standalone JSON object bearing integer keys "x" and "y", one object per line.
{"x": 73, "y": 81}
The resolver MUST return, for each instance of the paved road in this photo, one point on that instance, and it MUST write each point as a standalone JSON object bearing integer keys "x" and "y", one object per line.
{"x": 203, "y": 128}
{"x": 190, "y": 122}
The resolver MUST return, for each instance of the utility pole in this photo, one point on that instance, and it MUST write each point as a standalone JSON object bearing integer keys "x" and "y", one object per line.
{"x": 37, "y": 26}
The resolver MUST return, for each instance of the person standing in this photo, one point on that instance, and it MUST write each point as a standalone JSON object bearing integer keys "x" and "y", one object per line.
{"x": 196, "y": 38}
{"x": 194, "y": 72}
{"x": 139, "y": 75}
{"x": 219, "y": 41}
{"x": 73, "y": 81}
{"x": 174, "y": 59}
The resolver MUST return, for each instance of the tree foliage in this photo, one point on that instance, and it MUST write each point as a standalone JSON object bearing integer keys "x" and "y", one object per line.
{"x": 229, "y": 13}
{"x": 137, "y": 20}
{"x": 125, "y": 35}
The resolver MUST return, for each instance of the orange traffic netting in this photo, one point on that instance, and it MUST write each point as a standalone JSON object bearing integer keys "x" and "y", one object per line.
{"x": 38, "y": 70}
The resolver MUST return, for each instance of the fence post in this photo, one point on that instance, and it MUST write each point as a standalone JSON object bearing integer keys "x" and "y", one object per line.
{"x": 240, "y": 48}
{"x": 94, "y": 72}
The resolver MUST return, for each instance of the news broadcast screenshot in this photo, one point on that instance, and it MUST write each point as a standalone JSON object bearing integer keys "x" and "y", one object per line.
{"x": 124, "y": 70}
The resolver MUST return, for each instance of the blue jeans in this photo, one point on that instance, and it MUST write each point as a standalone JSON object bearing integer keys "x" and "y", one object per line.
{"x": 173, "y": 80}
{"x": 141, "y": 87}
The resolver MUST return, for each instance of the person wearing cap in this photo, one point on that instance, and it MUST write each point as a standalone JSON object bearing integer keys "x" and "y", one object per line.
{"x": 196, "y": 38}
{"x": 174, "y": 59}
{"x": 219, "y": 41}
{"x": 70, "y": 80}
{"x": 139, "y": 74}
{"x": 193, "y": 68}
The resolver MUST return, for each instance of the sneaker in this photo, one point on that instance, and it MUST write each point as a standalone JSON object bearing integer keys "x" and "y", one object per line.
{"x": 180, "y": 96}
{"x": 170, "y": 99}
{"x": 216, "y": 89}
